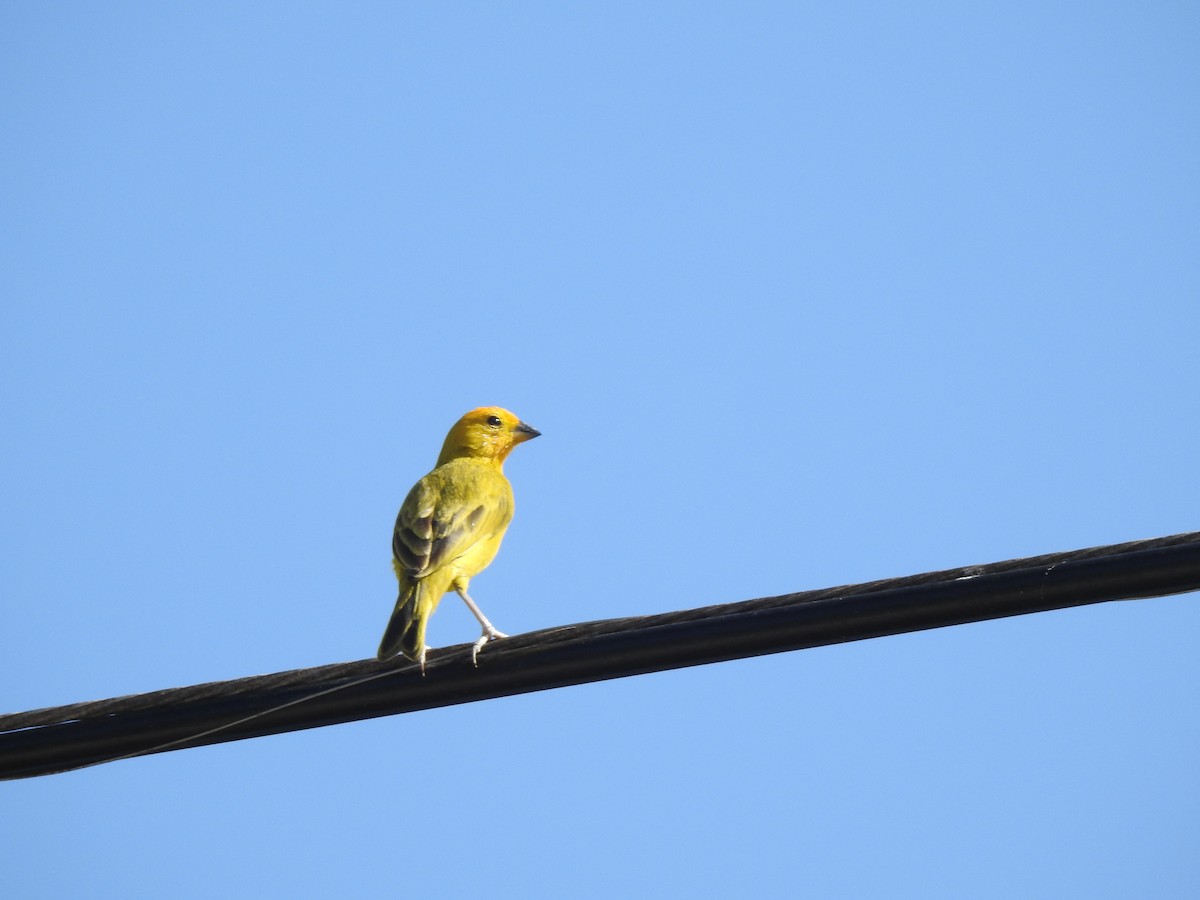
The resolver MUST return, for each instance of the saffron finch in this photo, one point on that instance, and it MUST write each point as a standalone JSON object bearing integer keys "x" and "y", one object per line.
{"x": 450, "y": 527}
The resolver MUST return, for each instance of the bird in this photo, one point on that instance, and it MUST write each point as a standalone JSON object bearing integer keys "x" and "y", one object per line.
{"x": 450, "y": 527}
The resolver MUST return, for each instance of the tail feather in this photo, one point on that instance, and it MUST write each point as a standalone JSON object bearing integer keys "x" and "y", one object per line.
{"x": 412, "y": 642}
{"x": 401, "y": 636}
{"x": 405, "y": 632}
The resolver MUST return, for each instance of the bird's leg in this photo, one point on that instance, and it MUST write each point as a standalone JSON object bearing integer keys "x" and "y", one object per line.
{"x": 490, "y": 631}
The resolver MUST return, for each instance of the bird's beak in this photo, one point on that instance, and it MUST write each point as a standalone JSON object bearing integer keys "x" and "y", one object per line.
{"x": 524, "y": 432}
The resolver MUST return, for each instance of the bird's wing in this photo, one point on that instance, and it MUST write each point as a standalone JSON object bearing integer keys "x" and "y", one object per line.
{"x": 444, "y": 515}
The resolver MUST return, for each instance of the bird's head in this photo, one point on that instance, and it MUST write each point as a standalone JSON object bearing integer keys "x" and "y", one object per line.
{"x": 485, "y": 433}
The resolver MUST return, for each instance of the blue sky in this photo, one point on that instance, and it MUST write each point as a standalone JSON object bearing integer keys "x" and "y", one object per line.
{"x": 799, "y": 295}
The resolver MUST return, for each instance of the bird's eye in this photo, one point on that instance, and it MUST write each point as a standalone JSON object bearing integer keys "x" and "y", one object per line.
{"x": 494, "y": 421}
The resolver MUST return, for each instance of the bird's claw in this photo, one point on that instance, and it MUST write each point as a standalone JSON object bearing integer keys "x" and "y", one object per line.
{"x": 491, "y": 635}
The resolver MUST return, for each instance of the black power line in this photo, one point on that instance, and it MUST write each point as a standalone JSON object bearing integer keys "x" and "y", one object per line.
{"x": 44, "y": 741}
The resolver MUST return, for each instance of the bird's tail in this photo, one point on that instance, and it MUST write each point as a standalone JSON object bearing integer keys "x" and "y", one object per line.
{"x": 405, "y": 632}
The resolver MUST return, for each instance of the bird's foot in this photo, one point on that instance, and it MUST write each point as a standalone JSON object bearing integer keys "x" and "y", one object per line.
{"x": 489, "y": 634}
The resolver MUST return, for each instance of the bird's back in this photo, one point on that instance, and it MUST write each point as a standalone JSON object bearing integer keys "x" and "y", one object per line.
{"x": 453, "y": 518}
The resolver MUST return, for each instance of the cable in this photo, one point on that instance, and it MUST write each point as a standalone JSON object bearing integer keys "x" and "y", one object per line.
{"x": 59, "y": 739}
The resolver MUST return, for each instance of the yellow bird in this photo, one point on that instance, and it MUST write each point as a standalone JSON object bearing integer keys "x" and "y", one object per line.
{"x": 450, "y": 527}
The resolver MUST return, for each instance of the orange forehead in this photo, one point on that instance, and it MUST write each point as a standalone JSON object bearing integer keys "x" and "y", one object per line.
{"x": 483, "y": 413}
